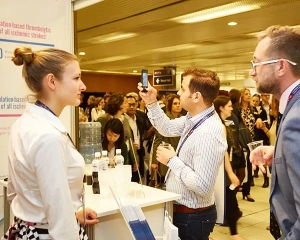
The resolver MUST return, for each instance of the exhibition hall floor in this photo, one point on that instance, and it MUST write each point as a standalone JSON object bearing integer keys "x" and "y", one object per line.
{"x": 252, "y": 225}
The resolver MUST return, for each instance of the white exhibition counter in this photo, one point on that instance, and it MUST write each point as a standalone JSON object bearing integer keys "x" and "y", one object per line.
{"x": 112, "y": 225}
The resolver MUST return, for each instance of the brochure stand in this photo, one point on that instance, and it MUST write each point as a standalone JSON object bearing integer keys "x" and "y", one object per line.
{"x": 134, "y": 218}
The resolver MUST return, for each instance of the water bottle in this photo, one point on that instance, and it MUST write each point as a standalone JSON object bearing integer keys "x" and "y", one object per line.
{"x": 96, "y": 164}
{"x": 89, "y": 140}
{"x": 104, "y": 160}
{"x": 119, "y": 159}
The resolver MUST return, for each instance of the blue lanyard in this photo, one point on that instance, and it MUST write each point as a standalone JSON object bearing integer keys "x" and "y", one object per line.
{"x": 292, "y": 94}
{"x": 202, "y": 120}
{"x": 42, "y": 105}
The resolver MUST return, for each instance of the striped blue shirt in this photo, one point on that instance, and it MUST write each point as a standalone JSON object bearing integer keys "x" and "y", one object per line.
{"x": 193, "y": 173}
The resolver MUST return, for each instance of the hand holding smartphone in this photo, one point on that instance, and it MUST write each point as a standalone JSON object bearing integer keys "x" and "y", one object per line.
{"x": 144, "y": 79}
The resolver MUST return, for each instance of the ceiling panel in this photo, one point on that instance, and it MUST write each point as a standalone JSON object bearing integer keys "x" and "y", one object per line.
{"x": 148, "y": 38}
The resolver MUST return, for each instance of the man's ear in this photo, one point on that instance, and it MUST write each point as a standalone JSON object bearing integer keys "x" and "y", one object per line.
{"x": 50, "y": 81}
{"x": 197, "y": 96}
{"x": 283, "y": 67}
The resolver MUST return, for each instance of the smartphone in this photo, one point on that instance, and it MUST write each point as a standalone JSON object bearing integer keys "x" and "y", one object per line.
{"x": 144, "y": 79}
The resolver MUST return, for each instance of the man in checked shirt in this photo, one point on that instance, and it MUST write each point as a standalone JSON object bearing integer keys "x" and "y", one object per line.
{"x": 193, "y": 168}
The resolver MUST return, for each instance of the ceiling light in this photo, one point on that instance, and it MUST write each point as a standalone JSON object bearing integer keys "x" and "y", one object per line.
{"x": 104, "y": 60}
{"x": 232, "y": 23}
{"x": 79, "y": 4}
{"x": 81, "y": 53}
{"x": 176, "y": 48}
{"x": 111, "y": 37}
{"x": 135, "y": 71}
{"x": 216, "y": 12}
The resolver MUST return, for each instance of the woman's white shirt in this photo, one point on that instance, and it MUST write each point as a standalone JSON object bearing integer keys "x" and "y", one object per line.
{"x": 96, "y": 114}
{"x": 45, "y": 173}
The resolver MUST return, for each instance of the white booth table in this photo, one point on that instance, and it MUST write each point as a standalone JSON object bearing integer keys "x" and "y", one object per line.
{"x": 112, "y": 225}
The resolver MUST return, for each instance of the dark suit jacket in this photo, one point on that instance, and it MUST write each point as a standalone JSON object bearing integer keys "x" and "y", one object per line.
{"x": 143, "y": 125}
{"x": 285, "y": 184}
{"x": 259, "y": 133}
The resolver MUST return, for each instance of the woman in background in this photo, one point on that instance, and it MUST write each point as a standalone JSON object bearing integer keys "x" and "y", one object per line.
{"x": 98, "y": 111}
{"x": 45, "y": 180}
{"x": 251, "y": 119}
{"x": 116, "y": 106}
{"x": 113, "y": 139}
{"x": 238, "y": 158}
{"x": 224, "y": 109}
{"x": 255, "y": 100}
{"x": 173, "y": 110}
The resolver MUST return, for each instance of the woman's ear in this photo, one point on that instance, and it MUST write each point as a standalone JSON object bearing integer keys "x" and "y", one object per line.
{"x": 50, "y": 81}
{"x": 221, "y": 108}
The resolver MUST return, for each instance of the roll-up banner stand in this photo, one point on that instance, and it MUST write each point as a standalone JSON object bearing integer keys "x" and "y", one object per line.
{"x": 38, "y": 24}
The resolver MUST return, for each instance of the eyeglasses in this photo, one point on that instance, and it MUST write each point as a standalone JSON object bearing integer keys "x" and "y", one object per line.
{"x": 254, "y": 64}
{"x": 131, "y": 104}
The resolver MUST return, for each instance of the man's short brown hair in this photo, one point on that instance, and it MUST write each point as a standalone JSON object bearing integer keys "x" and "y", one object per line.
{"x": 285, "y": 43}
{"x": 204, "y": 81}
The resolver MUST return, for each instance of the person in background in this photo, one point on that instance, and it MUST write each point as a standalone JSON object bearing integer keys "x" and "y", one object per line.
{"x": 133, "y": 94}
{"x": 224, "y": 109}
{"x": 262, "y": 132}
{"x": 98, "y": 111}
{"x": 44, "y": 166}
{"x": 106, "y": 98}
{"x": 194, "y": 167}
{"x": 113, "y": 139}
{"x": 142, "y": 106}
{"x": 116, "y": 107}
{"x": 274, "y": 110}
{"x": 239, "y": 158}
{"x": 173, "y": 111}
{"x": 161, "y": 100}
{"x": 265, "y": 104}
{"x": 248, "y": 117}
{"x": 255, "y": 100}
{"x": 139, "y": 124}
{"x": 276, "y": 70}
{"x": 81, "y": 115}
{"x": 90, "y": 105}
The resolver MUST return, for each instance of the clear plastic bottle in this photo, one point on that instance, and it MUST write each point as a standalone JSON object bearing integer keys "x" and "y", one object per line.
{"x": 119, "y": 159}
{"x": 104, "y": 160}
{"x": 95, "y": 174}
{"x": 89, "y": 140}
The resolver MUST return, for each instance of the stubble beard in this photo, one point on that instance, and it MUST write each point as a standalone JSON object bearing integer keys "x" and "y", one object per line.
{"x": 268, "y": 85}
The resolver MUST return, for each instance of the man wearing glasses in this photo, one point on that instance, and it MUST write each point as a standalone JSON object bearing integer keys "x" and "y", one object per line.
{"x": 276, "y": 70}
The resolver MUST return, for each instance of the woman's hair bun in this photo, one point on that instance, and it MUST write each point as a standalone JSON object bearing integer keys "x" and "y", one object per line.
{"x": 22, "y": 55}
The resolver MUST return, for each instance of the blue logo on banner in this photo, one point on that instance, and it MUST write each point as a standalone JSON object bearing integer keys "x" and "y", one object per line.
{"x": 0, "y": 53}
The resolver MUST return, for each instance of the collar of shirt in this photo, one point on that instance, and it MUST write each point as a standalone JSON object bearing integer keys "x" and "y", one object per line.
{"x": 284, "y": 97}
{"x": 45, "y": 115}
{"x": 200, "y": 115}
{"x": 129, "y": 118}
